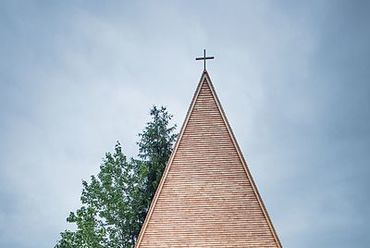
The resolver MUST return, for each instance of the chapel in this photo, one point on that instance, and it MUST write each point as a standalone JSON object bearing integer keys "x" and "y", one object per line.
{"x": 207, "y": 196}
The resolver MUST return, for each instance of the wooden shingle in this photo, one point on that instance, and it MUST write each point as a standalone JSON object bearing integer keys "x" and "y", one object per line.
{"x": 207, "y": 197}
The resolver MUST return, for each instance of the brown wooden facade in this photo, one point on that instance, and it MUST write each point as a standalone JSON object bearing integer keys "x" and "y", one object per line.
{"x": 207, "y": 197}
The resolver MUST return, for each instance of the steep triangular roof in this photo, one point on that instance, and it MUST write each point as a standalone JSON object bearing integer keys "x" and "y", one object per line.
{"x": 207, "y": 197}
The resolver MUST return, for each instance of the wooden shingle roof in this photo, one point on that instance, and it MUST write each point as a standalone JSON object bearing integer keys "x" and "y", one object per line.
{"x": 207, "y": 197}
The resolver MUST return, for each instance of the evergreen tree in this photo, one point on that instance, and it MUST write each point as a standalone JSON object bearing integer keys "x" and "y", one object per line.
{"x": 116, "y": 200}
{"x": 155, "y": 147}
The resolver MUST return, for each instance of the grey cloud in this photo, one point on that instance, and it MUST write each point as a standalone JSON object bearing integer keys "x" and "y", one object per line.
{"x": 293, "y": 79}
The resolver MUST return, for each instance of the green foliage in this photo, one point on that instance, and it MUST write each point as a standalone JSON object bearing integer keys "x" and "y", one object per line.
{"x": 116, "y": 200}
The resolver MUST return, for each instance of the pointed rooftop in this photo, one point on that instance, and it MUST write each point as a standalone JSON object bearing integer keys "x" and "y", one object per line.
{"x": 207, "y": 197}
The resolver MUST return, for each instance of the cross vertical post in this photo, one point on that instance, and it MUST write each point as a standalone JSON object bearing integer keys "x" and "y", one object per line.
{"x": 204, "y": 58}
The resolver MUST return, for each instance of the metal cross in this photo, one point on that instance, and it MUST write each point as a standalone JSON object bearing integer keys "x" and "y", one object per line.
{"x": 204, "y": 58}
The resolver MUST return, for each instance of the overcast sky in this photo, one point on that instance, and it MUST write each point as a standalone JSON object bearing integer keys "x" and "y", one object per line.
{"x": 293, "y": 78}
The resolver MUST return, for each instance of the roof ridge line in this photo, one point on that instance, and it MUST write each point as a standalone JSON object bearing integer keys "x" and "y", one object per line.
{"x": 245, "y": 164}
{"x": 169, "y": 163}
